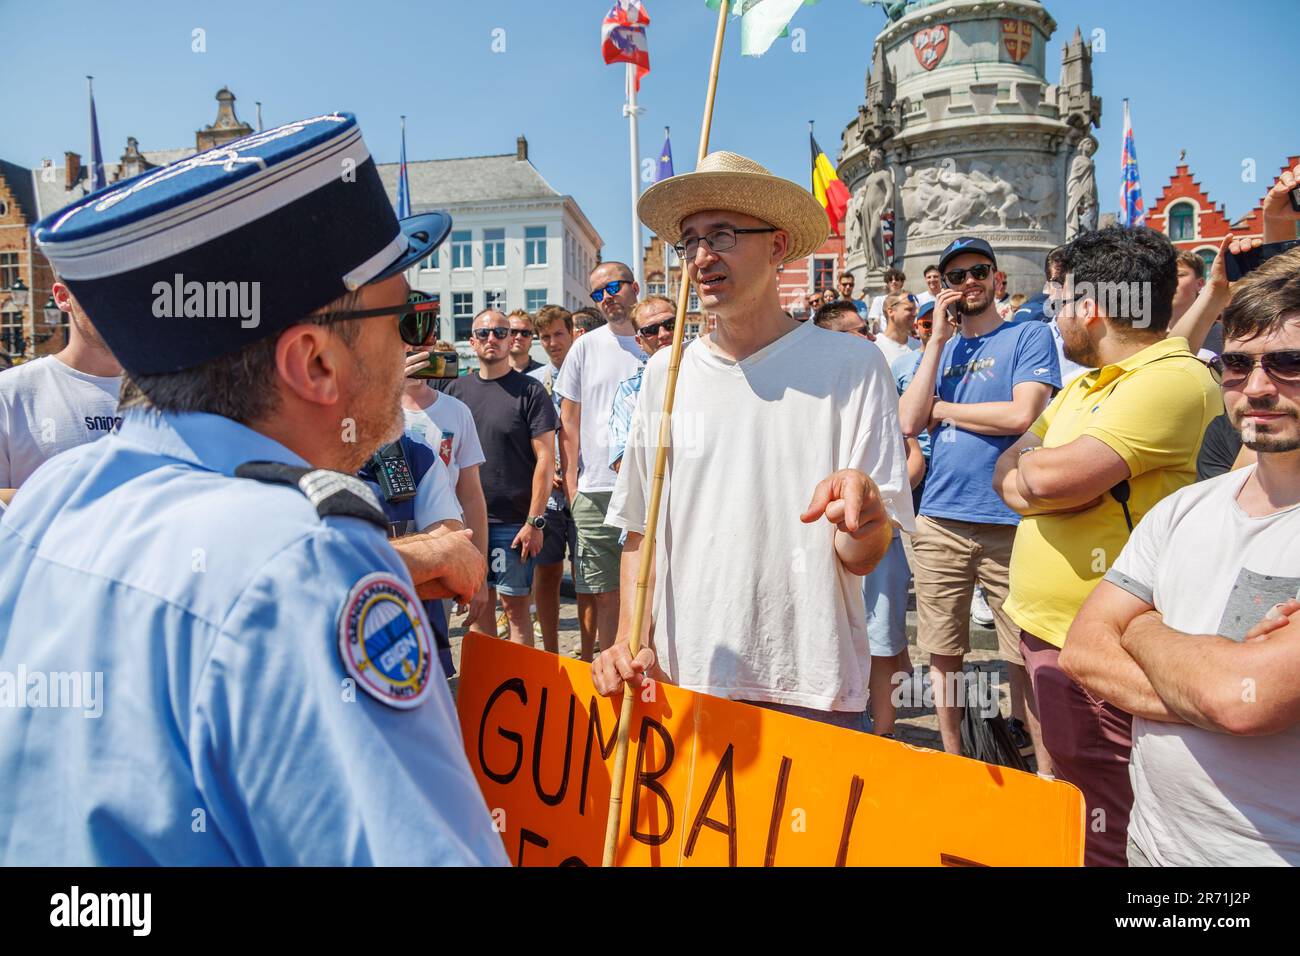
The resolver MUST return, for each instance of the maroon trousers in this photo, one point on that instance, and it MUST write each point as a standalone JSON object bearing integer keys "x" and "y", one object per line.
{"x": 1089, "y": 741}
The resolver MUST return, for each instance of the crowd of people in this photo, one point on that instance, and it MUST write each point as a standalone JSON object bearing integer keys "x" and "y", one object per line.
{"x": 1110, "y": 481}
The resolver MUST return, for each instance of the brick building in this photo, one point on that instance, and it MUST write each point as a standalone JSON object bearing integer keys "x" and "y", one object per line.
{"x": 28, "y": 195}
{"x": 1185, "y": 213}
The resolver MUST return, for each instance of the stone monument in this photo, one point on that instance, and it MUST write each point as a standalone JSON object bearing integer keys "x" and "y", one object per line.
{"x": 960, "y": 134}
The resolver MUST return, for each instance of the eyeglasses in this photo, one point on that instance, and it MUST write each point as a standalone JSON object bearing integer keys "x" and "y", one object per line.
{"x": 498, "y": 331}
{"x": 414, "y": 322}
{"x": 958, "y": 276}
{"x": 720, "y": 240}
{"x": 1283, "y": 367}
{"x": 611, "y": 289}
{"x": 925, "y": 323}
{"x": 522, "y": 333}
{"x": 651, "y": 330}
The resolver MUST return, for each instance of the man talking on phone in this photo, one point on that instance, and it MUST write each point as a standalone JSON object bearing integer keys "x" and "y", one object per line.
{"x": 981, "y": 383}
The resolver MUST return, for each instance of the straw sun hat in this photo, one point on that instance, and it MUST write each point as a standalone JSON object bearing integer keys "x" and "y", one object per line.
{"x": 733, "y": 183}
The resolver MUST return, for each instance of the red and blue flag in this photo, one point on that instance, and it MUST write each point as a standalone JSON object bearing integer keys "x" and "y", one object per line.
{"x": 623, "y": 38}
{"x": 1131, "y": 210}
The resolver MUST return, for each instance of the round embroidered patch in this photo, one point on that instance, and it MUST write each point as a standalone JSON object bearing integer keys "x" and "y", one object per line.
{"x": 384, "y": 641}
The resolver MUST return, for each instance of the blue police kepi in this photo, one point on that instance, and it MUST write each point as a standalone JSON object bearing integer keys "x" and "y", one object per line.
{"x": 209, "y": 652}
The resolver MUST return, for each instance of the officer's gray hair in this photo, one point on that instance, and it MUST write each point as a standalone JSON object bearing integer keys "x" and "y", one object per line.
{"x": 240, "y": 386}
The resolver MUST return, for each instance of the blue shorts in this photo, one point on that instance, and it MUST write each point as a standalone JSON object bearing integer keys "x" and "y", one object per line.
{"x": 884, "y": 592}
{"x": 506, "y": 573}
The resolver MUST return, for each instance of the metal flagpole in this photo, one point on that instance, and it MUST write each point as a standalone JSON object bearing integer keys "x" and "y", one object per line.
{"x": 630, "y": 110}
{"x": 657, "y": 483}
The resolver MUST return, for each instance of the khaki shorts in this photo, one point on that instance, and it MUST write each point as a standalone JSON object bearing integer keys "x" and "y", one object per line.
{"x": 949, "y": 558}
{"x": 596, "y": 568}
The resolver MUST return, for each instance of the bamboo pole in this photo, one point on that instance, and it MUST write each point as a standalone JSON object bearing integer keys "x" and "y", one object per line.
{"x": 657, "y": 483}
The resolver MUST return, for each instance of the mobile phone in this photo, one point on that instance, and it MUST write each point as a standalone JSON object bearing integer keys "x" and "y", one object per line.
{"x": 1295, "y": 198}
{"x": 393, "y": 472}
{"x": 1239, "y": 263}
{"x": 441, "y": 365}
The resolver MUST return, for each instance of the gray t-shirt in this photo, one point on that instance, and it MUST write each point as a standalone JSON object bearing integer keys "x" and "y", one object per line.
{"x": 1203, "y": 798}
{"x": 47, "y": 407}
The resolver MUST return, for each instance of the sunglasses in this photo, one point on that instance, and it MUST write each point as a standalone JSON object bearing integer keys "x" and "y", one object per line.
{"x": 958, "y": 276}
{"x": 611, "y": 289}
{"x": 1283, "y": 366}
{"x": 415, "y": 319}
{"x": 652, "y": 330}
{"x": 499, "y": 331}
{"x": 925, "y": 323}
{"x": 522, "y": 333}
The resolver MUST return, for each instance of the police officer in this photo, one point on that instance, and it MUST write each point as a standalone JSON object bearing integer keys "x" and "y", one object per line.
{"x": 209, "y": 652}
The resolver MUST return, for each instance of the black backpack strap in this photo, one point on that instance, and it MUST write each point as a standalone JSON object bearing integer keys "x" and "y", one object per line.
{"x": 330, "y": 492}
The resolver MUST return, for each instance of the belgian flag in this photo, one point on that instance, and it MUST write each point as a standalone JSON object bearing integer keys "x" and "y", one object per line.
{"x": 826, "y": 186}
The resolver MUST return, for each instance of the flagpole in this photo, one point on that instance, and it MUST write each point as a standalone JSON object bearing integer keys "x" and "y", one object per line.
{"x": 657, "y": 484}
{"x": 630, "y": 110}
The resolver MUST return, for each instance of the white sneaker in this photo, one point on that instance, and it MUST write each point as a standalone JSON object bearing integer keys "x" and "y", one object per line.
{"x": 979, "y": 609}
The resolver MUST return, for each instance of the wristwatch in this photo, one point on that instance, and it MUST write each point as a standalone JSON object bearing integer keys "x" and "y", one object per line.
{"x": 538, "y": 521}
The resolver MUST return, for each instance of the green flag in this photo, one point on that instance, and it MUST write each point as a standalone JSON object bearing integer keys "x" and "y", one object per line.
{"x": 761, "y": 21}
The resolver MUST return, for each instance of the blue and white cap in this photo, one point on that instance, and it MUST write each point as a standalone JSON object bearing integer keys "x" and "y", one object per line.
{"x": 195, "y": 260}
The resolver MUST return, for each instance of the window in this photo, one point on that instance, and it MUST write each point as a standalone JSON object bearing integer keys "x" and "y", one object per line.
{"x": 431, "y": 262}
{"x": 462, "y": 313}
{"x": 460, "y": 249}
{"x": 495, "y": 299}
{"x": 11, "y": 331}
{"x": 534, "y": 245}
{"x": 570, "y": 265}
{"x": 1182, "y": 221}
{"x": 8, "y": 269}
{"x": 823, "y": 274}
{"x": 494, "y": 248}
{"x": 654, "y": 284}
{"x": 534, "y": 299}
{"x": 1207, "y": 256}
{"x": 693, "y": 303}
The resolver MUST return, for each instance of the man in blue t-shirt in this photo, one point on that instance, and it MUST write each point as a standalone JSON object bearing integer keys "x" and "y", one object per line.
{"x": 979, "y": 386}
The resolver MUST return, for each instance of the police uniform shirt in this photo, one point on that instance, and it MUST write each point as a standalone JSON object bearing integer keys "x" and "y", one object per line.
{"x": 47, "y": 407}
{"x": 173, "y": 686}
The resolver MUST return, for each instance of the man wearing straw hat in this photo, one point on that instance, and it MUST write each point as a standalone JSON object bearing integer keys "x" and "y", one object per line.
{"x": 785, "y": 473}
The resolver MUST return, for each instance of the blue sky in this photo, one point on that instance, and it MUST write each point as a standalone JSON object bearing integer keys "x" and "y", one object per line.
{"x": 1215, "y": 78}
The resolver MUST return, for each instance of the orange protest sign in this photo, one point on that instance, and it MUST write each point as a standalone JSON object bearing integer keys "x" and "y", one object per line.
{"x": 712, "y": 782}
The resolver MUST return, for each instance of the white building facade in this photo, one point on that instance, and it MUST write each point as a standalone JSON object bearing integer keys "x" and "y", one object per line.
{"x": 516, "y": 243}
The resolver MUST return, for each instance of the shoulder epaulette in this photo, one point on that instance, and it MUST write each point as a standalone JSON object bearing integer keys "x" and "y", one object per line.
{"x": 330, "y": 492}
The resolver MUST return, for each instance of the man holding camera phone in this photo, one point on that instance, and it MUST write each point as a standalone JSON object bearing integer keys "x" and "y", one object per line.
{"x": 975, "y": 392}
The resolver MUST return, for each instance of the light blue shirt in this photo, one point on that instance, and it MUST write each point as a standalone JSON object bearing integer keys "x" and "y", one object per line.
{"x": 620, "y": 414}
{"x": 215, "y": 723}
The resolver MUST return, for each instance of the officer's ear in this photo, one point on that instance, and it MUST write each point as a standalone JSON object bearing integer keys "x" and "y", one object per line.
{"x": 308, "y": 362}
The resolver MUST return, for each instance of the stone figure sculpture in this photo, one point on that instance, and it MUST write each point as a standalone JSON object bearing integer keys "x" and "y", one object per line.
{"x": 1081, "y": 191}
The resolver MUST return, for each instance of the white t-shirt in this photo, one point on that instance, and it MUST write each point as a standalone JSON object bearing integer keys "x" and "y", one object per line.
{"x": 750, "y": 603}
{"x": 47, "y": 407}
{"x": 447, "y": 426}
{"x": 923, "y": 297}
{"x": 1203, "y": 798}
{"x": 593, "y": 370}
{"x": 435, "y": 498}
{"x": 893, "y": 350}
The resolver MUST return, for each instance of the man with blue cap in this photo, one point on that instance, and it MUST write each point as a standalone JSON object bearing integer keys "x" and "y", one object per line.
{"x": 209, "y": 652}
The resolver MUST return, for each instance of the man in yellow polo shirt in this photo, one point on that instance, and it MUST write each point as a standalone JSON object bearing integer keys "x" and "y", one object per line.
{"x": 1110, "y": 446}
